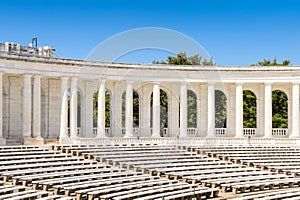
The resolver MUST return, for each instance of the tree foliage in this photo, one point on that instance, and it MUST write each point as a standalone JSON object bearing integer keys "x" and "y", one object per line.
{"x": 191, "y": 109}
{"x": 182, "y": 59}
{"x": 279, "y": 109}
{"x": 268, "y": 62}
{"x": 220, "y": 109}
{"x": 249, "y": 109}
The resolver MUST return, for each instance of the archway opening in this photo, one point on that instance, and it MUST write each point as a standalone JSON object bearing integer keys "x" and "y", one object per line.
{"x": 279, "y": 109}
{"x": 249, "y": 109}
{"x": 191, "y": 109}
{"x": 220, "y": 109}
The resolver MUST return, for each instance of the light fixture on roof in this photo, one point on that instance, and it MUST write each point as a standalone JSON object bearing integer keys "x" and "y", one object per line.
{"x": 33, "y": 41}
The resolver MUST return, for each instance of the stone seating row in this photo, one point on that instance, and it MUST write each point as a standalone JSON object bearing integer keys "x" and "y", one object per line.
{"x": 156, "y": 192}
{"x": 45, "y": 184}
{"x": 8, "y": 174}
{"x": 46, "y": 164}
{"x": 22, "y": 147}
{"x": 287, "y": 194}
{"x": 233, "y": 147}
{"x": 12, "y": 192}
{"x": 72, "y": 146}
{"x": 209, "y": 178}
{"x": 272, "y": 163}
{"x": 56, "y": 197}
{"x": 18, "y": 153}
{"x": 188, "y": 175}
{"x": 33, "y": 156}
{"x": 28, "y": 179}
{"x": 42, "y": 160}
{"x": 78, "y": 151}
{"x": 262, "y": 184}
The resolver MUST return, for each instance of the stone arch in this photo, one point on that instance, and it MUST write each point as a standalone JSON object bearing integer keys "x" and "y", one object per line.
{"x": 220, "y": 109}
{"x": 279, "y": 113}
{"x": 249, "y": 109}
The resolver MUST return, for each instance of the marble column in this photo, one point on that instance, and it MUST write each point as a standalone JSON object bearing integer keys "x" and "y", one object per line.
{"x": 27, "y": 106}
{"x": 156, "y": 111}
{"x": 295, "y": 111}
{"x": 268, "y": 110}
{"x": 101, "y": 110}
{"x": 1, "y": 105}
{"x": 73, "y": 108}
{"x": 183, "y": 110}
{"x": 64, "y": 108}
{"x": 211, "y": 110}
{"x": 37, "y": 106}
{"x": 239, "y": 110}
{"x": 129, "y": 110}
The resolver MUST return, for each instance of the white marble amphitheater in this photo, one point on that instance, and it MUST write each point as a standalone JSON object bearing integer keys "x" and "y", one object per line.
{"x": 52, "y": 147}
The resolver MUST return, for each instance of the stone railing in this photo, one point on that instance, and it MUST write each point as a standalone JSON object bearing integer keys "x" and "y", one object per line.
{"x": 191, "y": 132}
{"x": 249, "y": 131}
{"x": 196, "y": 141}
{"x": 135, "y": 131}
{"x": 220, "y": 131}
{"x": 279, "y": 132}
{"x": 164, "y": 131}
{"x": 107, "y": 131}
{"x": 78, "y": 131}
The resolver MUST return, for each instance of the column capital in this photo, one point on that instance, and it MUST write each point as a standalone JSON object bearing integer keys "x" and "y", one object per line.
{"x": 37, "y": 76}
{"x": 156, "y": 83}
{"x": 129, "y": 82}
{"x": 269, "y": 83}
{"x": 296, "y": 82}
{"x": 74, "y": 78}
{"x": 64, "y": 78}
{"x": 183, "y": 83}
{"x": 239, "y": 83}
{"x": 101, "y": 81}
{"x": 27, "y": 75}
{"x": 211, "y": 83}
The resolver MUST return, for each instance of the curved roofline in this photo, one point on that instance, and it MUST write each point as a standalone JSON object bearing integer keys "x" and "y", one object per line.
{"x": 90, "y": 63}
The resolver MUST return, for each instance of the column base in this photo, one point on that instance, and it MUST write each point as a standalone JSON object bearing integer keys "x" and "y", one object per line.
{"x": 2, "y": 141}
{"x": 66, "y": 140}
{"x": 294, "y": 136}
{"x": 33, "y": 141}
{"x": 156, "y": 136}
{"x": 129, "y": 136}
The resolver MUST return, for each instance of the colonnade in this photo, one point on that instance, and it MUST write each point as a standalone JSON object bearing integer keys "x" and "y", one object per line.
{"x": 32, "y": 103}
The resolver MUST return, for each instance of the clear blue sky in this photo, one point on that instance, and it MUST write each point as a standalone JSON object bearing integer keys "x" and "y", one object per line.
{"x": 234, "y": 32}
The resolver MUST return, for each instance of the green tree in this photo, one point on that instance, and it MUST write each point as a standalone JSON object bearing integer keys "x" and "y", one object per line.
{"x": 191, "y": 109}
{"x": 268, "y": 62}
{"x": 182, "y": 59}
{"x": 279, "y": 109}
{"x": 249, "y": 109}
{"x": 220, "y": 109}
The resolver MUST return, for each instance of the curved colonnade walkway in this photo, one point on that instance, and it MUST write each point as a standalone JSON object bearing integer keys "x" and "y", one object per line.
{"x": 149, "y": 172}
